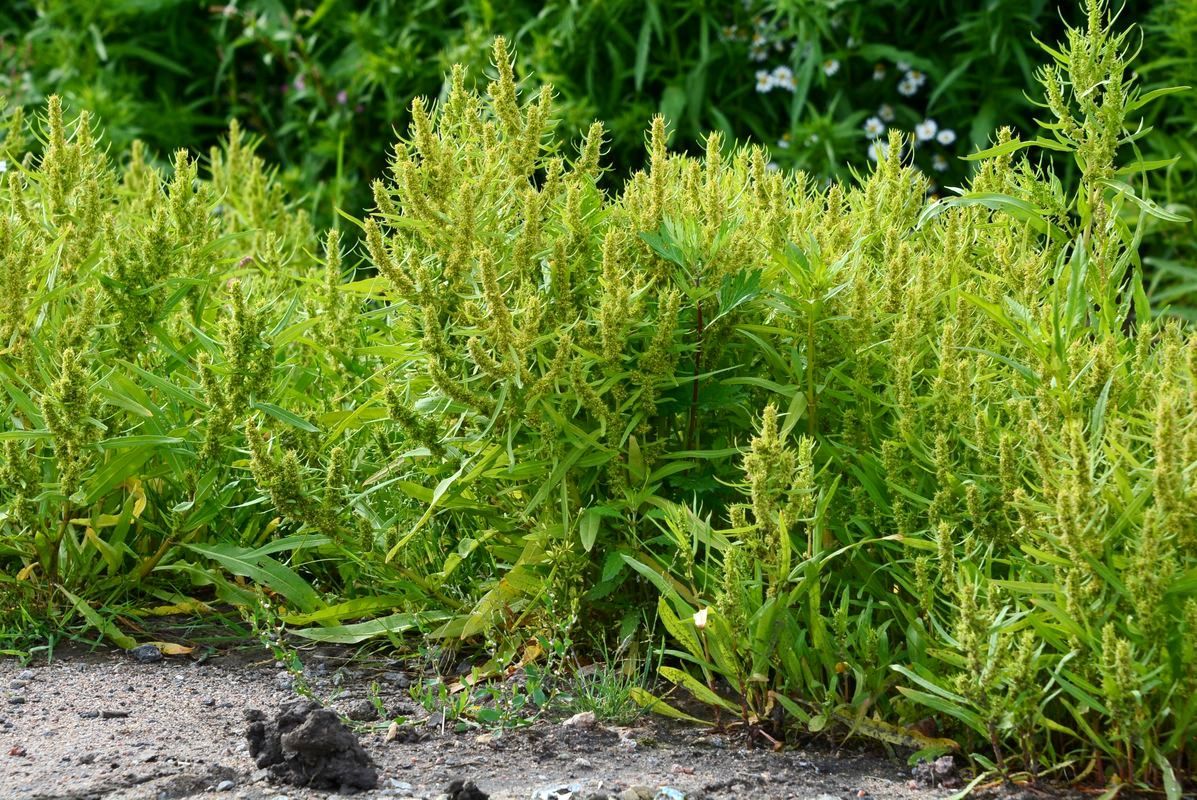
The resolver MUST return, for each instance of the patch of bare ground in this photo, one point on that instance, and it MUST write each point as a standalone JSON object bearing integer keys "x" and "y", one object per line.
{"x": 104, "y": 725}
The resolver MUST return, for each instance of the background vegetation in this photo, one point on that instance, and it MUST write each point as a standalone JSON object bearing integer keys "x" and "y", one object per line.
{"x": 866, "y": 455}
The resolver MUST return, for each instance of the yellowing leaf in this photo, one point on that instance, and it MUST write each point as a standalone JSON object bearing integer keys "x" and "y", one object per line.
{"x": 650, "y": 702}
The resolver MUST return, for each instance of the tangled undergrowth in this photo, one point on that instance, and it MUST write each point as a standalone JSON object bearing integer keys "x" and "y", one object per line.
{"x": 921, "y": 471}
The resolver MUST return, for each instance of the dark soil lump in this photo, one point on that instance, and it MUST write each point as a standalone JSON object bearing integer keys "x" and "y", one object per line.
{"x": 307, "y": 745}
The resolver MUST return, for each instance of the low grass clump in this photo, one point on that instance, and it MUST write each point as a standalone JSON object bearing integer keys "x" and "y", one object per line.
{"x": 922, "y": 470}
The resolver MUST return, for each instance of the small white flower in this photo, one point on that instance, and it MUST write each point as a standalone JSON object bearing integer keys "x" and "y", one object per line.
{"x": 830, "y": 67}
{"x": 812, "y": 140}
{"x": 916, "y": 77}
{"x": 946, "y": 137}
{"x": 878, "y": 149}
{"x": 700, "y": 619}
{"x": 902, "y": 66}
{"x": 907, "y": 87}
{"x": 759, "y": 53}
{"x": 3, "y": 165}
{"x": 874, "y": 127}
{"x": 784, "y": 77}
{"x": 886, "y": 112}
{"x": 772, "y": 166}
{"x": 784, "y": 142}
{"x": 879, "y": 72}
{"x": 764, "y": 81}
{"x": 926, "y": 130}
{"x": 939, "y": 163}
{"x": 851, "y": 42}
{"x": 760, "y": 40}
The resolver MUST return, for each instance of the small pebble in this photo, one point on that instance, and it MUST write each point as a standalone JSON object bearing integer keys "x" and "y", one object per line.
{"x": 361, "y": 711}
{"x": 146, "y": 654}
{"x": 17, "y": 700}
{"x": 25, "y": 675}
{"x": 225, "y": 786}
{"x": 89, "y": 714}
{"x": 113, "y": 714}
{"x": 400, "y": 679}
{"x": 584, "y": 720}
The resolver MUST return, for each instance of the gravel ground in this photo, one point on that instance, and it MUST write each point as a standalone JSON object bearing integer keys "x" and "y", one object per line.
{"x": 102, "y": 725}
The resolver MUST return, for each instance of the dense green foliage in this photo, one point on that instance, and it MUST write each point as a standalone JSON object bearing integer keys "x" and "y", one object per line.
{"x": 816, "y": 82}
{"x": 860, "y": 455}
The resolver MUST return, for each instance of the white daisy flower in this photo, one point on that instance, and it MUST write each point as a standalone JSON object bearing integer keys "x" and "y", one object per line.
{"x": 886, "y": 112}
{"x": 879, "y": 72}
{"x": 916, "y": 77}
{"x": 902, "y": 66}
{"x": 939, "y": 163}
{"x": 878, "y": 150}
{"x": 830, "y": 67}
{"x": 874, "y": 127}
{"x": 764, "y": 81}
{"x": 784, "y": 77}
{"x": 946, "y": 137}
{"x": 784, "y": 142}
{"x": 907, "y": 87}
{"x": 926, "y": 130}
{"x": 759, "y": 53}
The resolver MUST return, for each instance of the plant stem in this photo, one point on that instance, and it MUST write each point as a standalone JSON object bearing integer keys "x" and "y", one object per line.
{"x": 693, "y": 424}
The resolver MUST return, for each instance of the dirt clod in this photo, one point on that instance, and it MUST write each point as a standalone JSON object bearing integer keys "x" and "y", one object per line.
{"x": 940, "y": 772}
{"x": 464, "y": 790}
{"x": 306, "y": 745}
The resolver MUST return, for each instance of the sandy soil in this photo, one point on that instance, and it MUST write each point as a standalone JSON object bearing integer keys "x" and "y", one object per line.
{"x": 104, "y": 726}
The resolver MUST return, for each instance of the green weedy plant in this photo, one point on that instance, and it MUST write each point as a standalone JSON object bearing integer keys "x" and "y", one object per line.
{"x": 134, "y": 349}
{"x": 556, "y": 374}
{"x": 968, "y": 505}
{"x": 1009, "y": 437}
